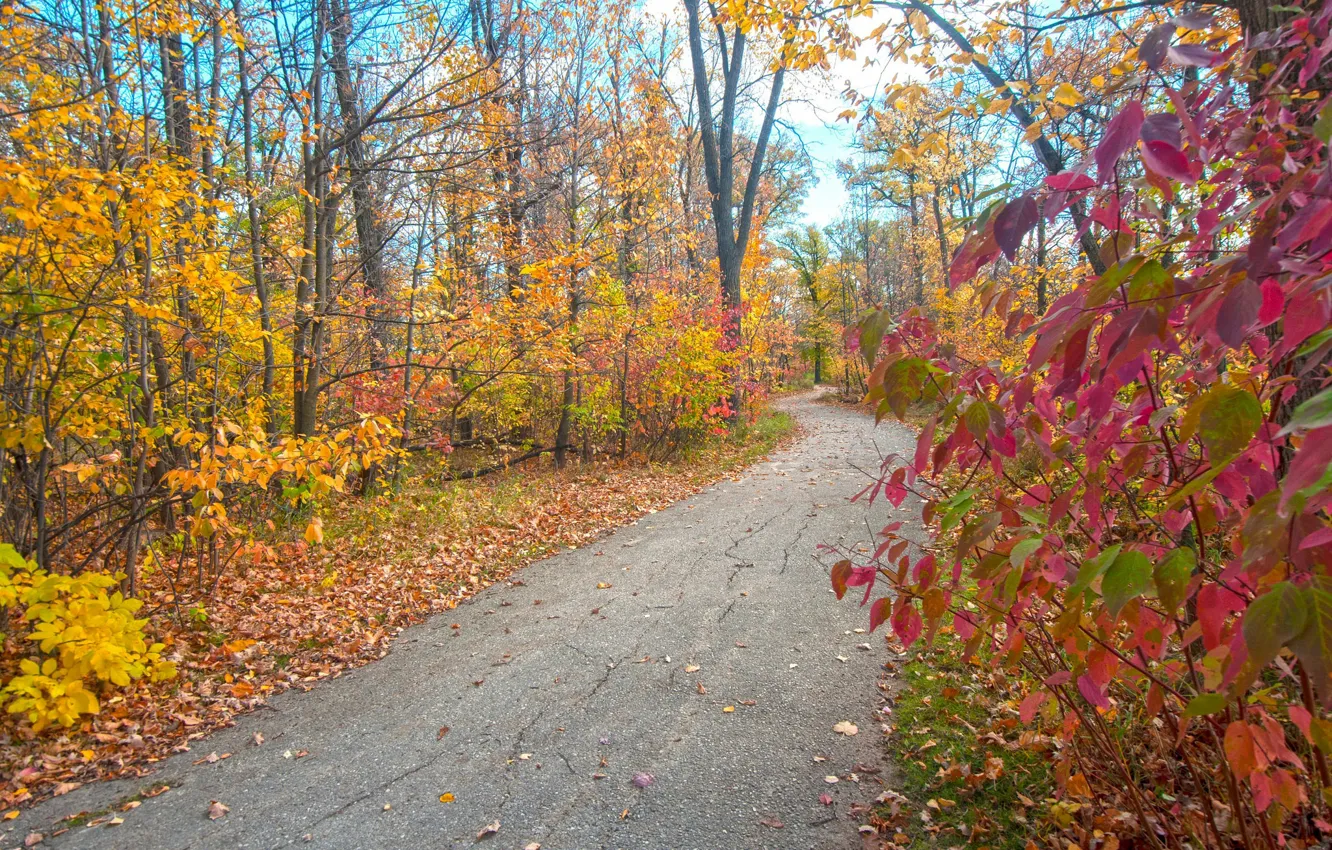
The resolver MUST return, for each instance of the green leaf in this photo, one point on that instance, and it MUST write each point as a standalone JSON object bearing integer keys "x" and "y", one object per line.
{"x": 1314, "y": 413}
{"x": 1272, "y": 620}
{"x": 977, "y": 419}
{"x": 1196, "y": 484}
{"x": 1323, "y": 126}
{"x": 1314, "y": 342}
{"x": 1204, "y": 704}
{"x": 1022, "y": 551}
{"x": 1228, "y": 420}
{"x": 1127, "y": 578}
{"x": 1172, "y": 576}
{"x": 977, "y": 532}
{"x": 1091, "y": 569}
{"x": 903, "y": 381}
{"x": 1313, "y": 645}
{"x": 1150, "y": 282}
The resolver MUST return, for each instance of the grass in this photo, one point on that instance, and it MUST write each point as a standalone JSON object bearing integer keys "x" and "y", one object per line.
{"x": 963, "y": 765}
{"x": 426, "y": 497}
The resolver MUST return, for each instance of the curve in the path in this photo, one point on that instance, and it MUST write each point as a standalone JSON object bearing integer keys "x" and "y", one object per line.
{"x": 580, "y": 688}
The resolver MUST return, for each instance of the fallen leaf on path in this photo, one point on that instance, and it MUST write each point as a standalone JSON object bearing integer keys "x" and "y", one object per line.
{"x": 603, "y": 585}
{"x": 488, "y": 830}
{"x": 217, "y": 810}
{"x": 258, "y": 739}
{"x": 772, "y": 823}
{"x": 446, "y": 798}
{"x": 701, "y": 689}
{"x": 532, "y": 846}
{"x": 643, "y": 780}
{"x": 624, "y": 815}
{"x": 443, "y": 730}
{"x": 66, "y": 787}
{"x": 831, "y": 780}
{"x": 115, "y": 822}
{"x": 729, "y": 709}
{"x": 748, "y": 702}
{"x": 10, "y": 815}
{"x": 33, "y": 839}
{"x": 525, "y": 756}
{"x": 691, "y": 668}
{"x": 846, "y": 727}
{"x": 826, "y": 799}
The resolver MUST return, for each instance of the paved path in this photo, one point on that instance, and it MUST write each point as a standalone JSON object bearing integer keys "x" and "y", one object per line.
{"x": 588, "y": 682}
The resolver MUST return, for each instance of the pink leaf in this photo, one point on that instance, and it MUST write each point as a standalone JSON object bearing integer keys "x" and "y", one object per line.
{"x": 1119, "y": 134}
{"x": 907, "y": 624}
{"x": 1237, "y": 313}
{"x": 1091, "y": 693}
{"x": 1154, "y": 45}
{"x": 1193, "y": 56}
{"x": 1027, "y": 710}
{"x": 1069, "y": 181}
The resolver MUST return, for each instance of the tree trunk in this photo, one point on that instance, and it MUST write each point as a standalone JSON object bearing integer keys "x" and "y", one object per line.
{"x": 369, "y": 233}
{"x": 252, "y": 212}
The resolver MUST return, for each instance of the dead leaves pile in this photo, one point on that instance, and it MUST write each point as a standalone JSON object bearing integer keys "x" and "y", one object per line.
{"x": 292, "y": 615}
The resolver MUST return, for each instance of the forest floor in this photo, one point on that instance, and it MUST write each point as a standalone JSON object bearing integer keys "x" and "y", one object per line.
{"x": 674, "y": 684}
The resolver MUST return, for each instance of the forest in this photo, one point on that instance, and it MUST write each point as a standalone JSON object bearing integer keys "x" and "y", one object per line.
{"x": 287, "y": 284}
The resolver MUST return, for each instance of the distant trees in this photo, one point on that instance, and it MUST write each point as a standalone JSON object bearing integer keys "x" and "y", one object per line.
{"x": 255, "y": 251}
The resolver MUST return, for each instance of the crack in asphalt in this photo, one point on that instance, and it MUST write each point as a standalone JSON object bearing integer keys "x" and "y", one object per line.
{"x": 679, "y": 598}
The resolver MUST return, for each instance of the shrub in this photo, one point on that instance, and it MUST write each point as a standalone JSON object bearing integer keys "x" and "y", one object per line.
{"x": 84, "y": 632}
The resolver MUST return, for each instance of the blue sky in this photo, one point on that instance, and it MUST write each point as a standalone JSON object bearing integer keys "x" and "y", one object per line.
{"x": 813, "y": 101}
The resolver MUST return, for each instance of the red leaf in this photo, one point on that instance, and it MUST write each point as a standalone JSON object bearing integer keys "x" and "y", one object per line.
{"x": 1167, "y": 161}
{"x": 879, "y": 611}
{"x": 841, "y": 571}
{"x": 1163, "y": 127}
{"x": 1069, "y": 181}
{"x": 923, "y": 444}
{"x": 1309, "y": 464}
{"x": 1215, "y": 604}
{"x": 1027, "y": 710}
{"x": 1240, "y": 750}
{"x": 1013, "y": 224}
{"x": 907, "y": 624}
{"x": 1274, "y": 301}
{"x": 1120, "y": 133}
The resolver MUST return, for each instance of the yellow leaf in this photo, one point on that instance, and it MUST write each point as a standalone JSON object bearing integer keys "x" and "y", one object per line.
{"x": 314, "y": 532}
{"x": 446, "y": 798}
{"x": 729, "y": 709}
{"x": 1065, "y": 95}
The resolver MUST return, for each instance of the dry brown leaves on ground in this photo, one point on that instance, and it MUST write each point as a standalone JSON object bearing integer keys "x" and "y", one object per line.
{"x": 300, "y": 615}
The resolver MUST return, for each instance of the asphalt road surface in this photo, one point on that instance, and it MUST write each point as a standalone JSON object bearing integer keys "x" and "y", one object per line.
{"x": 581, "y": 689}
